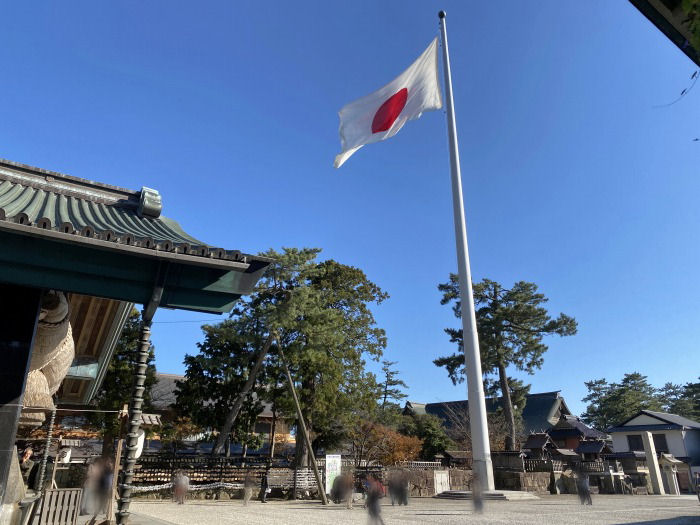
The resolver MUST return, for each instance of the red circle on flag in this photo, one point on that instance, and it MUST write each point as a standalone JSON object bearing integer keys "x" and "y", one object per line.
{"x": 388, "y": 112}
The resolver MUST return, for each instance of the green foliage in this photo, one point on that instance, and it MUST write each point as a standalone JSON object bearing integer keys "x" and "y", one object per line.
{"x": 175, "y": 430}
{"x": 215, "y": 376}
{"x": 327, "y": 329}
{"x": 390, "y": 385}
{"x": 390, "y": 415}
{"x": 511, "y": 325}
{"x": 118, "y": 383}
{"x": 518, "y": 394}
{"x": 683, "y": 400}
{"x": 430, "y": 431}
{"x": 320, "y": 312}
{"x": 691, "y": 8}
{"x": 611, "y": 404}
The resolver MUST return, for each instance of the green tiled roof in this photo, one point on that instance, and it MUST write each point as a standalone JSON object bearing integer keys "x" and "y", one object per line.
{"x": 61, "y": 211}
{"x": 73, "y": 234}
{"x": 76, "y": 206}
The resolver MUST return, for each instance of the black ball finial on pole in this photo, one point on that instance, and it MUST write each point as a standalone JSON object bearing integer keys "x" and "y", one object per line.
{"x": 442, "y": 14}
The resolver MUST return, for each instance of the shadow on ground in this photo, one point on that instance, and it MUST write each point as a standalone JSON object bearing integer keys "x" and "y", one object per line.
{"x": 678, "y": 520}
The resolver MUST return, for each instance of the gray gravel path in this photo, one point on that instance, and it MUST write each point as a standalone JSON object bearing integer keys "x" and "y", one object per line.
{"x": 549, "y": 510}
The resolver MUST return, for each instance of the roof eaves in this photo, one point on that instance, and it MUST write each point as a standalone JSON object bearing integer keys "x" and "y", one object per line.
{"x": 634, "y": 428}
{"x": 218, "y": 259}
{"x": 674, "y": 419}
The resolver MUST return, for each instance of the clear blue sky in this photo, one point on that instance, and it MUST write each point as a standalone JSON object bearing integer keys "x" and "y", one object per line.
{"x": 573, "y": 179}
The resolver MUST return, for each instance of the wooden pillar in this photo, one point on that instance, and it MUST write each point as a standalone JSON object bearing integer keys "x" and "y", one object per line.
{"x": 302, "y": 428}
{"x": 19, "y": 313}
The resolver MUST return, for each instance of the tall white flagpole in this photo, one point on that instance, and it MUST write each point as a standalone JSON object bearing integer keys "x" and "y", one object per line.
{"x": 481, "y": 451}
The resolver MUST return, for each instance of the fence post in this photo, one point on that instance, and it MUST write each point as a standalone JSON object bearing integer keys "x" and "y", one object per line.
{"x": 294, "y": 486}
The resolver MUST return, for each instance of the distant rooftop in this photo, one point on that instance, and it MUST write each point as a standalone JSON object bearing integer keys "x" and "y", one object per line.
{"x": 666, "y": 421}
{"x": 541, "y": 410}
{"x": 163, "y": 394}
{"x": 572, "y": 426}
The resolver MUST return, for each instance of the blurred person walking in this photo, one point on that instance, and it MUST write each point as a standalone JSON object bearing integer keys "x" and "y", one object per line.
{"x": 248, "y": 486}
{"x": 264, "y": 487}
{"x": 402, "y": 488}
{"x": 347, "y": 487}
{"x": 89, "y": 501}
{"x": 375, "y": 492}
{"x": 181, "y": 485}
{"x": 583, "y": 487}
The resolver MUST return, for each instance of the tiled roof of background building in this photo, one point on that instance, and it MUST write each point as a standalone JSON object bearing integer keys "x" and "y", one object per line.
{"x": 540, "y": 412}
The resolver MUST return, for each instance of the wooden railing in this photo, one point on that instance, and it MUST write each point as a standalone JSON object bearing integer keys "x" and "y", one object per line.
{"x": 597, "y": 465}
{"x": 419, "y": 464}
{"x": 60, "y": 507}
{"x": 544, "y": 465}
{"x": 508, "y": 461}
{"x": 537, "y": 465}
{"x": 203, "y": 470}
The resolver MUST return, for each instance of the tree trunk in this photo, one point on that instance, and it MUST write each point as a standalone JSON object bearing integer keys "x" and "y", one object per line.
{"x": 301, "y": 453}
{"x": 507, "y": 407}
{"x": 227, "y": 444}
{"x": 273, "y": 425}
{"x": 236, "y": 408}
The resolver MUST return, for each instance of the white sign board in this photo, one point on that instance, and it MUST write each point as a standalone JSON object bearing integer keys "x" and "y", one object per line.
{"x": 334, "y": 464}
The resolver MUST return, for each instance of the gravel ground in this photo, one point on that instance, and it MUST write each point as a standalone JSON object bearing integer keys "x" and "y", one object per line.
{"x": 549, "y": 510}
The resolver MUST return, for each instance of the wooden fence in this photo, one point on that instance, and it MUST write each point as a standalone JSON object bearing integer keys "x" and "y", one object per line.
{"x": 155, "y": 470}
{"x": 60, "y": 507}
{"x": 543, "y": 465}
{"x": 420, "y": 465}
{"x": 203, "y": 470}
{"x": 537, "y": 465}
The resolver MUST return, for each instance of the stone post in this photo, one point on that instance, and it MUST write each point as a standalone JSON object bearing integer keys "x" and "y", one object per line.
{"x": 653, "y": 464}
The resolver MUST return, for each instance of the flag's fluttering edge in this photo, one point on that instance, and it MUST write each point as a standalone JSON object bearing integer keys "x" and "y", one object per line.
{"x": 382, "y": 114}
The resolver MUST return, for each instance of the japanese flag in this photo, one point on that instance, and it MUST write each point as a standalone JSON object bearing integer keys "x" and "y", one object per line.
{"x": 382, "y": 114}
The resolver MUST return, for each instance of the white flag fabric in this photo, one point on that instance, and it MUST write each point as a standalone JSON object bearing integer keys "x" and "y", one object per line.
{"x": 382, "y": 114}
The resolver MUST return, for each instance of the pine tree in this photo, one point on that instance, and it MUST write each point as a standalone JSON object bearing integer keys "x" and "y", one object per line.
{"x": 611, "y": 404}
{"x": 390, "y": 385}
{"x": 118, "y": 383}
{"x": 511, "y": 324}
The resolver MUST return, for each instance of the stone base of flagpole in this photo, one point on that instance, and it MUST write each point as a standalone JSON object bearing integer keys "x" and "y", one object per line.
{"x": 489, "y": 495}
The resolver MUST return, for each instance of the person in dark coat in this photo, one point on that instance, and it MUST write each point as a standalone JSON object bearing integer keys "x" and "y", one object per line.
{"x": 583, "y": 487}
{"x": 28, "y": 467}
{"x": 264, "y": 487}
{"x": 336, "y": 496}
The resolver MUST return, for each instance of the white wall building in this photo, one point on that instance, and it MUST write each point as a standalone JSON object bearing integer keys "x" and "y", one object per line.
{"x": 672, "y": 434}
